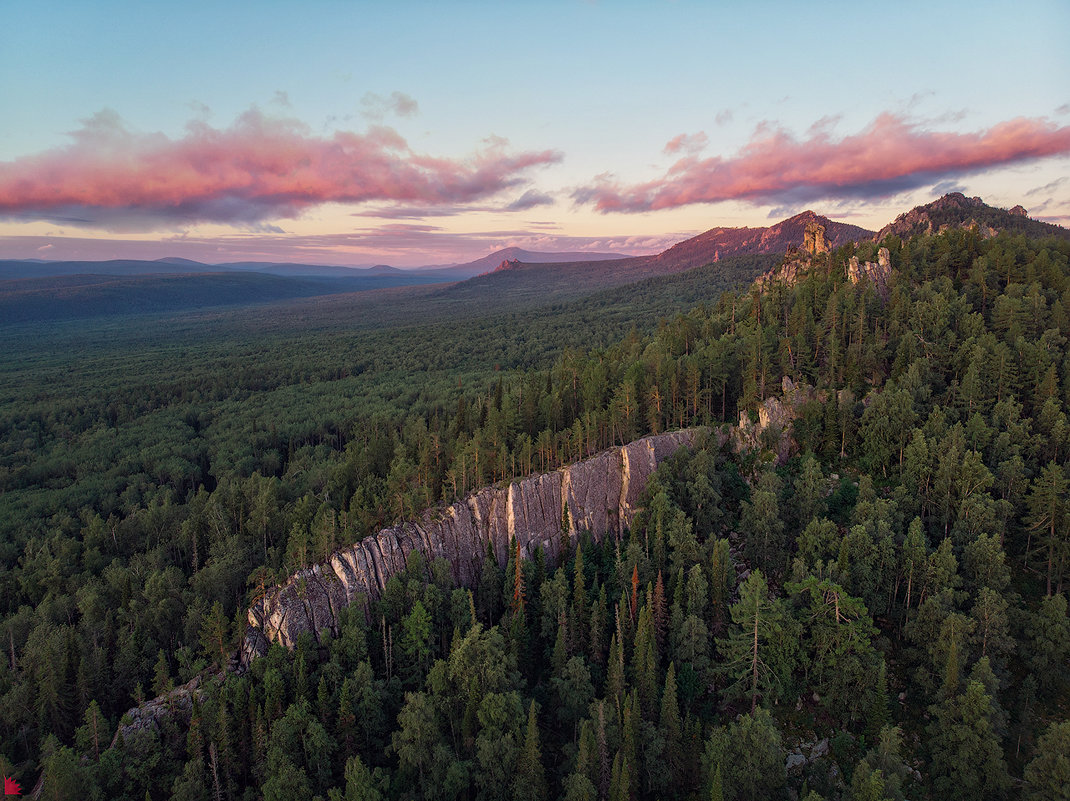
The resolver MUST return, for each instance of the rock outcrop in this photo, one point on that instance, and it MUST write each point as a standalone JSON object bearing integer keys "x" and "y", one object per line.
{"x": 152, "y": 714}
{"x": 798, "y": 263}
{"x": 877, "y": 274}
{"x": 601, "y": 493}
{"x": 814, "y": 240}
{"x": 773, "y": 428}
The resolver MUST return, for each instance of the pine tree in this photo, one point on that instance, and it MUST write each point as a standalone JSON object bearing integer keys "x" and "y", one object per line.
{"x": 615, "y": 673}
{"x": 93, "y": 731}
{"x": 722, "y": 579}
{"x": 644, "y": 666}
{"x": 661, "y": 615}
{"x": 604, "y": 774}
{"x": 670, "y": 725}
{"x": 1048, "y": 507}
{"x": 880, "y": 714}
{"x": 630, "y": 739}
{"x": 717, "y": 785}
{"x": 530, "y": 781}
{"x": 967, "y": 761}
{"x": 161, "y": 679}
{"x": 215, "y": 634}
{"x": 762, "y": 644}
{"x": 346, "y": 727}
{"x": 599, "y": 615}
{"x": 634, "y": 600}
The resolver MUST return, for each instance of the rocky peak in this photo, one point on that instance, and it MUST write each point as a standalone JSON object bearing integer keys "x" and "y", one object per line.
{"x": 814, "y": 240}
{"x": 956, "y": 211}
{"x": 797, "y": 262}
{"x": 773, "y": 427}
{"x": 956, "y": 200}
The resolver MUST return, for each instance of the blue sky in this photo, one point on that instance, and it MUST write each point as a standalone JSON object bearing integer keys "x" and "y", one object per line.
{"x": 470, "y": 126}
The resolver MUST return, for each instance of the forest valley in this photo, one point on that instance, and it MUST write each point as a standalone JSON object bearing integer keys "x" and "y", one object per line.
{"x": 880, "y": 615}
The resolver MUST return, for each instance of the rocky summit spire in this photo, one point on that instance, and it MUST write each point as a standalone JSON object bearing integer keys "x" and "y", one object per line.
{"x": 814, "y": 239}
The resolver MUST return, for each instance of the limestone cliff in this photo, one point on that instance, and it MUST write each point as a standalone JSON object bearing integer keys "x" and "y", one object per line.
{"x": 602, "y": 494}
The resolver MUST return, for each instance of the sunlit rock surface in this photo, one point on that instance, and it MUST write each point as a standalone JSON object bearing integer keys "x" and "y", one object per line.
{"x": 602, "y": 495}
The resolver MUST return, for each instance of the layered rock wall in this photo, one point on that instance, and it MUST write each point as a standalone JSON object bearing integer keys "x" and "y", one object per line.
{"x": 602, "y": 494}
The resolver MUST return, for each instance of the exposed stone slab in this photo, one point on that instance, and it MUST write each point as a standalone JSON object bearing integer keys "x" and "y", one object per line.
{"x": 602, "y": 494}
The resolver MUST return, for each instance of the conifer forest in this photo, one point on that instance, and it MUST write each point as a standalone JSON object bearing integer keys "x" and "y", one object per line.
{"x": 865, "y": 598}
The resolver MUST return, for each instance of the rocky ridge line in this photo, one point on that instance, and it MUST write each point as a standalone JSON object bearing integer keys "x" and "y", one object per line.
{"x": 601, "y": 493}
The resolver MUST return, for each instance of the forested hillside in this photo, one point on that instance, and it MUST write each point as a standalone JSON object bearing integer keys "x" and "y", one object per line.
{"x": 881, "y": 616}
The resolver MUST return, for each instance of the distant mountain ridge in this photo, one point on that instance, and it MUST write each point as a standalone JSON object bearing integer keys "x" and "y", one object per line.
{"x": 955, "y": 210}
{"x": 718, "y": 243}
{"x": 32, "y": 289}
{"x": 710, "y": 247}
{"x": 495, "y": 260}
{"x": 173, "y": 265}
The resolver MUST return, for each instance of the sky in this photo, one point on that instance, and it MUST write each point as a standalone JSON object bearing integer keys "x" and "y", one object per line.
{"x": 420, "y": 133}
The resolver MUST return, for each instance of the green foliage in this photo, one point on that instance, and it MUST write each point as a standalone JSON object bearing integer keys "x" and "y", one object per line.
{"x": 749, "y": 757}
{"x": 152, "y": 486}
{"x": 1047, "y": 777}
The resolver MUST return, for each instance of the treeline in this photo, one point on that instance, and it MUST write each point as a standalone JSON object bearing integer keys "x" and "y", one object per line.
{"x": 918, "y": 550}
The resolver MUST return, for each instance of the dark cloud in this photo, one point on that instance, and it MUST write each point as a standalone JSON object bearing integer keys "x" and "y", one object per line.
{"x": 948, "y": 186}
{"x": 530, "y": 200}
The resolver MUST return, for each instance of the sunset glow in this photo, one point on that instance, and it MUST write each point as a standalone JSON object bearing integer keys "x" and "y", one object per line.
{"x": 347, "y": 136}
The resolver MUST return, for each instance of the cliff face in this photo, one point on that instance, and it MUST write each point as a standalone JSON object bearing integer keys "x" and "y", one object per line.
{"x": 602, "y": 494}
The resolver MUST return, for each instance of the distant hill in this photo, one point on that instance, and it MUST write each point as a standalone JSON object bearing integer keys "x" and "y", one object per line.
{"x": 36, "y": 268}
{"x": 958, "y": 211}
{"x": 715, "y": 245}
{"x": 491, "y": 262}
{"x": 291, "y": 269}
{"x": 171, "y": 265}
{"x": 70, "y": 297}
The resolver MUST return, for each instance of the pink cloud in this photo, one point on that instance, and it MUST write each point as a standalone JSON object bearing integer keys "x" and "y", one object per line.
{"x": 259, "y": 168}
{"x": 687, "y": 143}
{"x": 891, "y": 155}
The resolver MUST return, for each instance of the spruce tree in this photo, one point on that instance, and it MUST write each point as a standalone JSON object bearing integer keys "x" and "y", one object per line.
{"x": 530, "y": 781}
